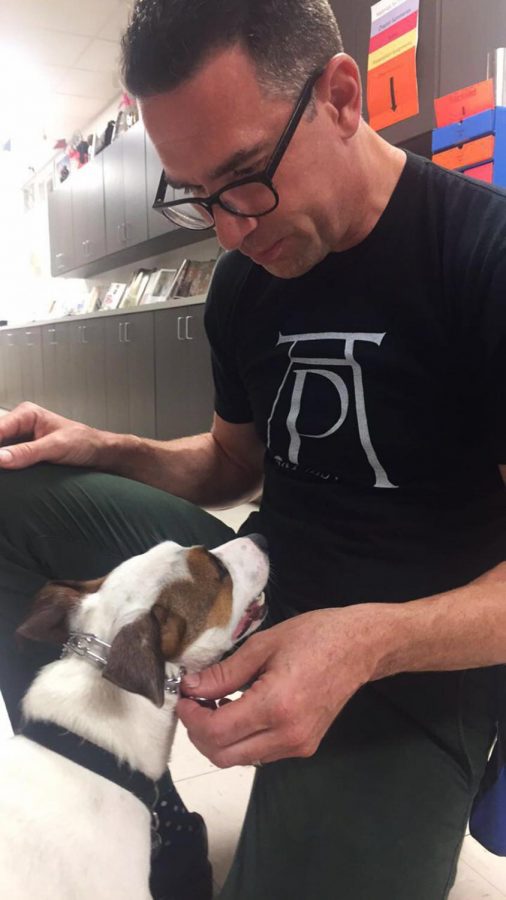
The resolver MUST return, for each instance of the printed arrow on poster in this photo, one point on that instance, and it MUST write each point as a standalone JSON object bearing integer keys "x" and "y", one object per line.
{"x": 392, "y": 93}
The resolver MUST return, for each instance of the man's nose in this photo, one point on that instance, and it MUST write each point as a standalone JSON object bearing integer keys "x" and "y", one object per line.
{"x": 231, "y": 230}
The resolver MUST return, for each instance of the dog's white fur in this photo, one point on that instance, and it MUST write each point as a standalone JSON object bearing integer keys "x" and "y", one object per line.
{"x": 65, "y": 832}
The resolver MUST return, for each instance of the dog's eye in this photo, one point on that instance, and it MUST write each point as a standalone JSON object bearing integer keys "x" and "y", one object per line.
{"x": 221, "y": 568}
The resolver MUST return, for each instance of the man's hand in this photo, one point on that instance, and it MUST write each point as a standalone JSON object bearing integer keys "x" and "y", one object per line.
{"x": 30, "y": 434}
{"x": 304, "y": 670}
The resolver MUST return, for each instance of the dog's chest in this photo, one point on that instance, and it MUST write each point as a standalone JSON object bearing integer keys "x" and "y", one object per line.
{"x": 65, "y": 831}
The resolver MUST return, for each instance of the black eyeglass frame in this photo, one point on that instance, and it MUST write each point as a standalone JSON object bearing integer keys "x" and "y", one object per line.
{"x": 265, "y": 177}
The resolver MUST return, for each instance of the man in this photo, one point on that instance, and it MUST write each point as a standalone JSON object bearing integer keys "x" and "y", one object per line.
{"x": 358, "y": 348}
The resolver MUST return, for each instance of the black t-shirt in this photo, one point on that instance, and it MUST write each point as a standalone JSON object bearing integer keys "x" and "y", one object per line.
{"x": 377, "y": 382}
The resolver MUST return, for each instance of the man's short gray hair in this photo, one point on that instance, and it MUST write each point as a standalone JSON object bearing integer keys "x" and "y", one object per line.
{"x": 168, "y": 41}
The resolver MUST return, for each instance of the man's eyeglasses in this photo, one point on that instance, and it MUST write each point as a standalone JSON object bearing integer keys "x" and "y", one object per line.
{"x": 249, "y": 197}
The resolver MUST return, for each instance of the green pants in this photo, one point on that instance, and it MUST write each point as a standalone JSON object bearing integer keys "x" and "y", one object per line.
{"x": 378, "y": 813}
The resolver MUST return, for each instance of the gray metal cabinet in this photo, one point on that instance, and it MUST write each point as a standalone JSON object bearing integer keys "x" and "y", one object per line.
{"x": 88, "y": 212}
{"x": 184, "y": 385}
{"x": 87, "y": 375}
{"x": 61, "y": 228}
{"x": 125, "y": 190}
{"x": 3, "y": 382}
{"x": 57, "y": 367}
{"x": 134, "y": 180}
{"x": 32, "y": 377}
{"x": 130, "y": 374}
{"x": 468, "y": 32}
{"x": 12, "y": 368}
{"x": 157, "y": 224}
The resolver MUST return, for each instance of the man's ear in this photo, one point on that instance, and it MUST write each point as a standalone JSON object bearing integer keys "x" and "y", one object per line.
{"x": 48, "y": 617}
{"x": 136, "y": 661}
{"x": 341, "y": 84}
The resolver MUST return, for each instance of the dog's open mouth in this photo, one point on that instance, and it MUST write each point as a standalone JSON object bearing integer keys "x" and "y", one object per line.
{"x": 256, "y": 612}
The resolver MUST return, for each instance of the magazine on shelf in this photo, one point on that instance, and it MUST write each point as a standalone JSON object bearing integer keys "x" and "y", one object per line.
{"x": 135, "y": 289}
{"x": 113, "y": 295}
{"x": 193, "y": 278}
{"x": 158, "y": 286}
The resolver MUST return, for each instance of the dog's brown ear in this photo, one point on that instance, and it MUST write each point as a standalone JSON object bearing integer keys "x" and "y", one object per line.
{"x": 136, "y": 661}
{"x": 48, "y": 617}
{"x": 172, "y": 631}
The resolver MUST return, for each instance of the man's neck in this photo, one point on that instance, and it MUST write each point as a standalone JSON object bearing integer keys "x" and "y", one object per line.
{"x": 377, "y": 168}
{"x": 73, "y": 694}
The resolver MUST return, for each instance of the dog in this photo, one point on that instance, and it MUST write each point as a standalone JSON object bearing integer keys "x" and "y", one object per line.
{"x": 67, "y": 833}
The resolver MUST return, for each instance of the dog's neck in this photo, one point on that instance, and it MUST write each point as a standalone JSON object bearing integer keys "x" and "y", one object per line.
{"x": 73, "y": 694}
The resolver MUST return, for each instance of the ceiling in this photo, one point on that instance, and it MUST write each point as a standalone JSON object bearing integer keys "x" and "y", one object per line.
{"x": 69, "y": 52}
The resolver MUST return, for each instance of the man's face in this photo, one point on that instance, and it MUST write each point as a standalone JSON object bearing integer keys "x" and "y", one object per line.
{"x": 218, "y": 127}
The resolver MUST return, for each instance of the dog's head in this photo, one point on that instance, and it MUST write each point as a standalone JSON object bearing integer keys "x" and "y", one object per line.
{"x": 173, "y": 604}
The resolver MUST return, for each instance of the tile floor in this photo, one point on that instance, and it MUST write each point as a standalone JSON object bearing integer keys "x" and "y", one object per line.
{"x": 221, "y": 797}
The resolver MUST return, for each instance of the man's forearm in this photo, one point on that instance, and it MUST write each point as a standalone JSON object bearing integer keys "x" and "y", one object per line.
{"x": 194, "y": 468}
{"x": 461, "y": 629}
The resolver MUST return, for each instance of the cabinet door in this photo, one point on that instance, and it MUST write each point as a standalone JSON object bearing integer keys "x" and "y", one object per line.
{"x": 77, "y": 382}
{"x": 13, "y": 374}
{"x": 31, "y": 365}
{"x": 116, "y": 377}
{"x": 3, "y": 385}
{"x": 139, "y": 342}
{"x": 468, "y": 34}
{"x": 130, "y": 376}
{"x": 184, "y": 385}
{"x": 89, "y": 213}
{"x": 61, "y": 228}
{"x": 134, "y": 182}
{"x": 56, "y": 361}
{"x": 157, "y": 224}
{"x": 93, "y": 342}
{"x": 114, "y": 197}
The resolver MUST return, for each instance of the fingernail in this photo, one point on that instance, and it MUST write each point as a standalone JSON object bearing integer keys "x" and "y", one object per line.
{"x": 5, "y": 456}
{"x": 192, "y": 681}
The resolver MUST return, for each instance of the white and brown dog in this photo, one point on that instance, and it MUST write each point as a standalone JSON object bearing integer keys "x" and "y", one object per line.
{"x": 67, "y": 833}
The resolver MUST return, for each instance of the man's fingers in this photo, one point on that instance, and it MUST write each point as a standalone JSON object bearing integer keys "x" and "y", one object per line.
{"x": 20, "y": 423}
{"x": 20, "y": 456}
{"x": 227, "y": 676}
{"x": 234, "y": 721}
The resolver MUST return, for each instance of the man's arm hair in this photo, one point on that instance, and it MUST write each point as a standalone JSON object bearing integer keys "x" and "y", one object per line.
{"x": 220, "y": 468}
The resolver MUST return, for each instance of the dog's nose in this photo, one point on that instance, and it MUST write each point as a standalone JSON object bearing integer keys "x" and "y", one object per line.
{"x": 260, "y": 541}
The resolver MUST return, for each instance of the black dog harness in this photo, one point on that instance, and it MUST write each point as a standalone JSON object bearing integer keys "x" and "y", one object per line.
{"x": 86, "y": 754}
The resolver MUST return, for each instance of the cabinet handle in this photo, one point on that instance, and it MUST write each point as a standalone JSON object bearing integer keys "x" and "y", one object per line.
{"x": 83, "y": 332}
{"x": 126, "y": 231}
{"x": 127, "y": 339}
{"x": 121, "y": 333}
{"x": 9, "y": 343}
{"x": 187, "y": 332}
{"x": 52, "y": 331}
{"x": 179, "y": 336}
{"x": 60, "y": 265}
{"x": 29, "y": 343}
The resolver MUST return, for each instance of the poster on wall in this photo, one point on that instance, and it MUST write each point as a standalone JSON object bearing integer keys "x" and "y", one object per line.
{"x": 392, "y": 83}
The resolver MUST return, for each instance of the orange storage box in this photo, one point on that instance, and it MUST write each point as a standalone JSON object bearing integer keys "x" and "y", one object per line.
{"x": 470, "y": 154}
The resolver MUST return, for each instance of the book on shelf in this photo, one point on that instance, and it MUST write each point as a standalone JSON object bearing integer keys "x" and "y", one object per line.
{"x": 135, "y": 289}
{"x": 193, "y": 278}
{"x": 113, "y": 295}
{"x": 158, "y": 287}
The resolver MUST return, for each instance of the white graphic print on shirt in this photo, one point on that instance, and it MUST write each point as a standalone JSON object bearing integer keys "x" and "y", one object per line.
{"x": 300, "y": 367}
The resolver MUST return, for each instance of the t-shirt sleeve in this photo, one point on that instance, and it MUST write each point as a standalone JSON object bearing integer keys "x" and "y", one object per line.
{"x": 231, "y": 399}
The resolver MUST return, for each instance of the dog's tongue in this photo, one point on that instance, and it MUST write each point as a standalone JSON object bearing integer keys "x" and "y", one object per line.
{"x": 254, "y": 612}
